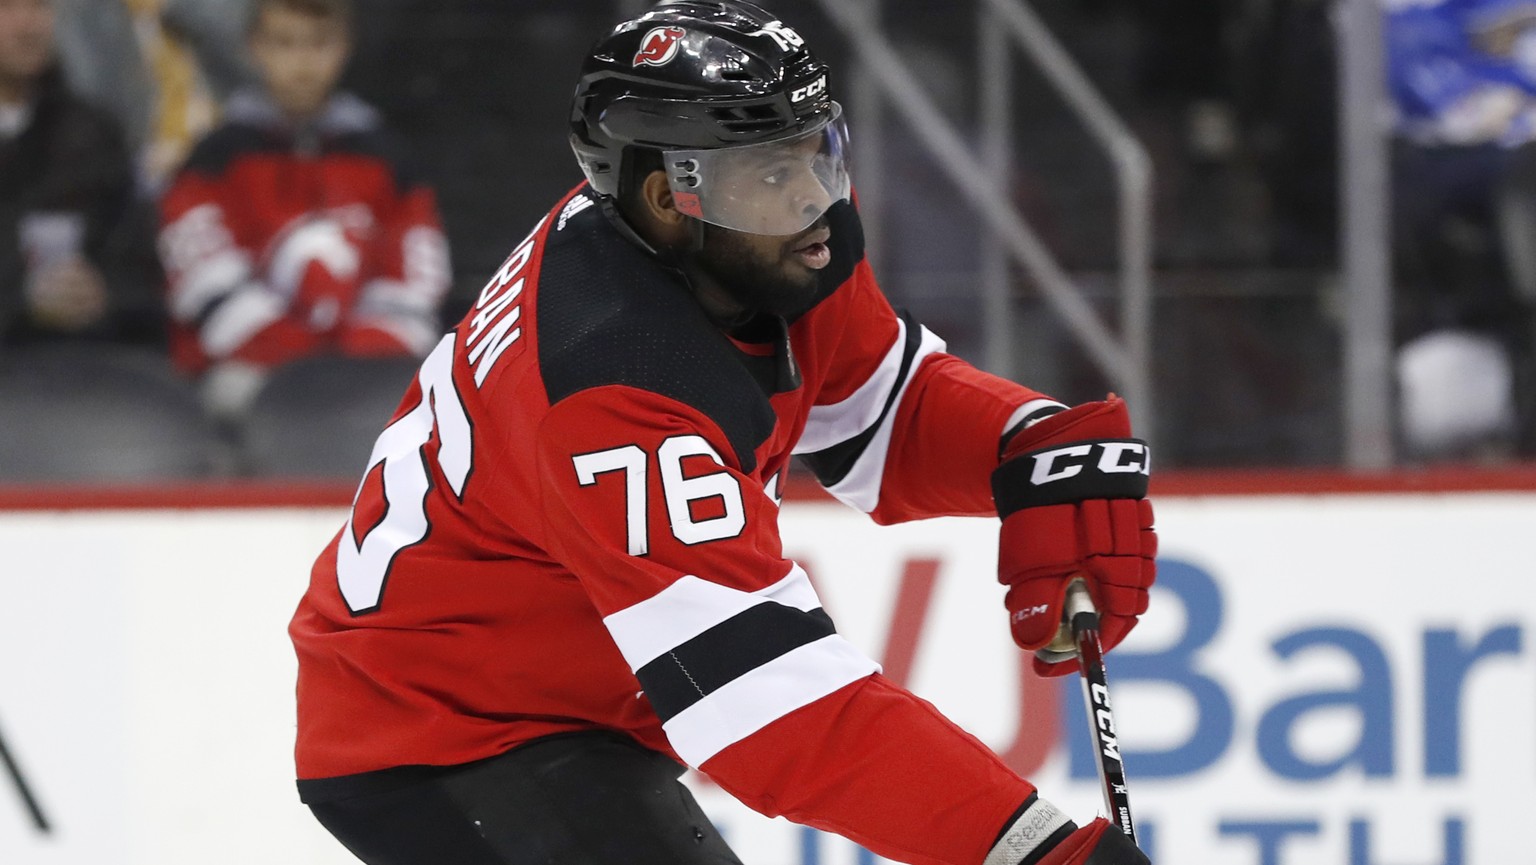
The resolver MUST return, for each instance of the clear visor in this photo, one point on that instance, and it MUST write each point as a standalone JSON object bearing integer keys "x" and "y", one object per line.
{"x": 776, "y": 188}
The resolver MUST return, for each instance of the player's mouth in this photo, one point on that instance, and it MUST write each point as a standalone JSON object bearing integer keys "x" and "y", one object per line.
{"x": 811, "y": 248}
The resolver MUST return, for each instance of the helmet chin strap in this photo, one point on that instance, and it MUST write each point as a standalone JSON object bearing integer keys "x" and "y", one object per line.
{"x": 610, "y": 209}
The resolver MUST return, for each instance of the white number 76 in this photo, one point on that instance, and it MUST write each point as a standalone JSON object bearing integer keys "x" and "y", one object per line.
{"x": 679, "y": 491}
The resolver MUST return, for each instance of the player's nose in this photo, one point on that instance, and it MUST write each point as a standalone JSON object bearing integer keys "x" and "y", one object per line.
{"x": 808, "y": 196}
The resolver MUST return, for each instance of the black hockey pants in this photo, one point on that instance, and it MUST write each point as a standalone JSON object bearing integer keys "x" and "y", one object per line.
{"x": 578, "y": 799}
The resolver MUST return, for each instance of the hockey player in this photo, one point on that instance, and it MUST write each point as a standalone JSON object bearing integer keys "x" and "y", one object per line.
{"x": 562, "y": 578}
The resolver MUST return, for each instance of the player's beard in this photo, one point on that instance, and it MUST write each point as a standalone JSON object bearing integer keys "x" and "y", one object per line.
{"x": 761, "y": 281}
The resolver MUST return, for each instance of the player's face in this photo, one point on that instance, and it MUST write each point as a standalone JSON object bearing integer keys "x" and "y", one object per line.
{"x": 777, "y": 187}
{"x": 300, "y": 57}
{"x": 26, "y": 39}
{"x": 777, "y": 275}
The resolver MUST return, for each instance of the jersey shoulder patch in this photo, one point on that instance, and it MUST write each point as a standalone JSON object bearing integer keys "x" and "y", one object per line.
{"x": 610, "y": 314}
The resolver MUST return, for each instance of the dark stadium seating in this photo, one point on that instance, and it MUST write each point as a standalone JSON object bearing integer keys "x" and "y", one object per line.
{"x": 102, "y": 414}
{"x": 317, "y": 418}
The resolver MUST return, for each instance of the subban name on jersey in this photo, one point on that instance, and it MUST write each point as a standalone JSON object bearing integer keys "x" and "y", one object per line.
{"x": 492, "y": 331}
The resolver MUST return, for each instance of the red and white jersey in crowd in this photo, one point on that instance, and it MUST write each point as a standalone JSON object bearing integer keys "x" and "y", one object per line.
{"x": 280, "y": 242}
{"x": 572, "y": 523}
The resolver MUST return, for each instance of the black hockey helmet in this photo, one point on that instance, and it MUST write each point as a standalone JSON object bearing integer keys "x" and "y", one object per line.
{"x": 729, "y": 95}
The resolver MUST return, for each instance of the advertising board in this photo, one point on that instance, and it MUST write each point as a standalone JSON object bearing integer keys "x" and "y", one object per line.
{"x": 1330, "y": 680}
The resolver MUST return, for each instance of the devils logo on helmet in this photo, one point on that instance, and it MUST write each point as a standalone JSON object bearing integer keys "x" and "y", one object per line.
{"x": 659, "y": 46}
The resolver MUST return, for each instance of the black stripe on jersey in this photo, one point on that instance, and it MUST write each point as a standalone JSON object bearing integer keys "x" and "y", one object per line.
{"x": 609, "y": 314}
{"x": 834, "y": 463}
{"x": 736, "y": 646}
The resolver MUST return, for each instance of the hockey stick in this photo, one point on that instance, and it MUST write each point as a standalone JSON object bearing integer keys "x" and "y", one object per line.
{"x": 1083, "y": 621}
{"x": 23, "y": 789}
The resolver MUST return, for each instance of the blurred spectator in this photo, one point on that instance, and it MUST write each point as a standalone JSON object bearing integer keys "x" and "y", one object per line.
{"x": 161, "y": 66}
{"x": 294, "y": 230}
{"x": 184, "y": 91}
{"x": 69, "y": 262}
{"x": 1286, "y": 92}
{"x": 213, "y": 30}
{"x": 100, "y": 56}
{"x": 1463, "y": 78}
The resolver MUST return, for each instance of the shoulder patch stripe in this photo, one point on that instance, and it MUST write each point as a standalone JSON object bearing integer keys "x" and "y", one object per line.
{"x": 751, "y": 701}
{"x": 691, "y": 606}
{"x": 726, "y": 652}
{"x": 859, "y": 487}
{"x": 829, "y": 425}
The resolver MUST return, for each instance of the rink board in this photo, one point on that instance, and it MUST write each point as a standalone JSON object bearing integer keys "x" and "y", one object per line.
{"x": 1324, "y": 679}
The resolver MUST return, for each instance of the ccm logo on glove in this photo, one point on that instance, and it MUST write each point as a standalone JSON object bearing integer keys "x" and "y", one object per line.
{"x": 1100, "y": 469}
{"x": 1071, "y": 491}
{"x": 1112, "y": 457}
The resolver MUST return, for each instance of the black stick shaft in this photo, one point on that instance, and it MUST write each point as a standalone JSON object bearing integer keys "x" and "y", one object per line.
{"x": 1101, "y": 721}
{"x": 24, "y": 789}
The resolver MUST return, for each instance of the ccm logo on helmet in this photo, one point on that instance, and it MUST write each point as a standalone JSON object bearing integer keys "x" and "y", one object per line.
{"x": 659, "y": 46}
{"x": 815, "y": 88}
{"x": 1110, "y": 457}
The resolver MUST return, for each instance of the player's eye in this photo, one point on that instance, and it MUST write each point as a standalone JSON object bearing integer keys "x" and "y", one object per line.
{"x": 777, "y": 176}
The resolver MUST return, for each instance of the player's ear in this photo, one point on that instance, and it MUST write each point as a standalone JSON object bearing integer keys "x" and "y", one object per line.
{"x": 656, "y": 197}
{"x": 651, "y": 211}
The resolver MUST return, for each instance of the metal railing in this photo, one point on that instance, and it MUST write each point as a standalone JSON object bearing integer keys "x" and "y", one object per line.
{"x": 881, "y": 81}
{"x": 1124, "y": 360}
{"x": 1365, "y": 234}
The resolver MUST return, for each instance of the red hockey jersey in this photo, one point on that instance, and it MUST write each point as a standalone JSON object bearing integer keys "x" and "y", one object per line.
{"x": 571, "y": 523}
{"x": 281, "y": 242}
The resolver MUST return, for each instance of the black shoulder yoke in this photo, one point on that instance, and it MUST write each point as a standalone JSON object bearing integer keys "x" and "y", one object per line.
{"x": 610, "y": 314}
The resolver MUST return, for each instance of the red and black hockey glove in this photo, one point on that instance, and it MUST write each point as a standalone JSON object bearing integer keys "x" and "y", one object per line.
{"x": 1041, "y": 835}
{"x": 1071, "y": 492}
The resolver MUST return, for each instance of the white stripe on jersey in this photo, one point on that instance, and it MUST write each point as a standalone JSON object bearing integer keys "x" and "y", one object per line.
{"x": 860, "y": 488}
{"x": 207, "y": 281}
{"x": 691, "y": 606}
{"x": 248, "y": 310}
{"x": 1027, "y": 409}
{"x": 833, "y": 424}
{"x": 795, "y": 590}
{"x": 752, "y": 701}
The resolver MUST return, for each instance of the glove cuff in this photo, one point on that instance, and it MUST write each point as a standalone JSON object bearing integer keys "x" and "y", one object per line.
{"x": 1024, "y": 417}
{"x": 1075, "y": 472}
{"x": 1034, "y": 831}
